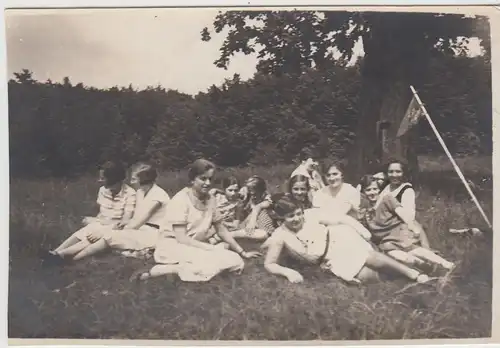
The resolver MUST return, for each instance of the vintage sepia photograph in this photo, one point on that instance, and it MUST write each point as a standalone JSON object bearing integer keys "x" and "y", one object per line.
{"x": 250, "y": 174}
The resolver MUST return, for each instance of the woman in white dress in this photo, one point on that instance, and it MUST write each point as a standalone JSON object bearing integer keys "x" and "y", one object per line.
{"x": 183, "y": 247}
{"x": 338, "y": 197}
{"x": 338, "y": 248}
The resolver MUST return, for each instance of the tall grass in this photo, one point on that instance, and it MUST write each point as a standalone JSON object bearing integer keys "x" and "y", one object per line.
{"x": 93, "y": 298}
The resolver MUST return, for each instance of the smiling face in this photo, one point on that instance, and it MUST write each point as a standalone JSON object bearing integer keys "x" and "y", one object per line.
{"x": 232, "y": 192}
{"x": 372, "y": 191}
{"x": 334, "y": 177}
{"x": 299, "y": 191}
{"x": 294, "y": 220}
{"x": 395, "y": 173}
{"x": 203, "y": 182}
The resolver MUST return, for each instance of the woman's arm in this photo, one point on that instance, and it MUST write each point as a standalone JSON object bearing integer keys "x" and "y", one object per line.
{"x": 407, "y": 219}
{"x": 408, "y": 203}
{"x": 139, "y": 220}
{"x": 128, "y": 210}
{"x": 182, "y": 237}
{"x": 349, "y": 221}
{"x": 272, "y": 266}
{"x": 227, "y": 237}
{"x": 254, "y": 215}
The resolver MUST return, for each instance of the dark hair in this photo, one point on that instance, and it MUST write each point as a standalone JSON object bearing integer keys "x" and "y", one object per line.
{"x": 300, "y": 178}
{"x": 305, "y": 153}
{"x": 230, "y": 181}
{"x": 113, "y": 173}
{"x": 402, "y": 163}
{"x": 283, "y": 204}
{"x": 366, "y": 181}
{"x": 199, "y": 167}
{"x": 146, "y": 172}
{"x": 258, "y": 184}
{"x": 337, "y": 164}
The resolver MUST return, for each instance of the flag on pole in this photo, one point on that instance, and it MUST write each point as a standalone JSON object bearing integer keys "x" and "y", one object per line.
{"x": 411, "y": 118}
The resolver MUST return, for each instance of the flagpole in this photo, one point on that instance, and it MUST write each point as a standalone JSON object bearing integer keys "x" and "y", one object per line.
{"x": 455, "y": 166}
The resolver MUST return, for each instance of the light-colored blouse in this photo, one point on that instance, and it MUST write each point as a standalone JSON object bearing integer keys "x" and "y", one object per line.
{"x": 346, "y": 201}
{"x": 145, "y": 199}
{"x": 184, "y": 210}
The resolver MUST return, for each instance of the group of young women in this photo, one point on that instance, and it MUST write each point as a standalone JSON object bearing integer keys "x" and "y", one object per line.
{"x": 354, "y": 233}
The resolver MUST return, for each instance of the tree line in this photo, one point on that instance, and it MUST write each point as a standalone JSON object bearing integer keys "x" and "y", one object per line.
{"x": 61, "y": 129}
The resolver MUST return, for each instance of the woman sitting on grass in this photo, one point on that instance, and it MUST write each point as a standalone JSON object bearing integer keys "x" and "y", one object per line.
{"x": 140, "y": 235}
{"x": 116, "y": 202}
{"x": 298, "y": 187}
{"x": 242, "y": 220}
{"x": 338, "y": 197}
{"x": 393, "y": 228}
{"x": 183, "y": 247}
{"x": 334, "y": 246}
{"x": 309, "y": 168}
{"x": 252, "y": 211}
{"x": 399, "y": 186}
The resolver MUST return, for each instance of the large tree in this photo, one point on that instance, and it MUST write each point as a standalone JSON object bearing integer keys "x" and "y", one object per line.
{"x": 397, "y": 48}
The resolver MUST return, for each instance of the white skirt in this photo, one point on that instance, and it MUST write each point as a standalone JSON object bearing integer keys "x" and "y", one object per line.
{"x": 196, "y": 265}
{"x": 143, "y": 238}
{"x": 347, "y": 252}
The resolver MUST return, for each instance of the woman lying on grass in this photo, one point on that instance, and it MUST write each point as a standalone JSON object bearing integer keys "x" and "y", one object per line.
{"x": 393, "y": 228}
{"x": 332, "y": 245}
{"x": 116, "y": 202}
{"x": 183, "y": 247}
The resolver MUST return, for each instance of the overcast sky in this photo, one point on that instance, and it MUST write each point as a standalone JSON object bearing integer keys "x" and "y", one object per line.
{"x": 107, "y": 47}
{"x": 104, "y": 48}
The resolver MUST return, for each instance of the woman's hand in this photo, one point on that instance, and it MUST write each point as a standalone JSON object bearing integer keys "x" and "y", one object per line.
{"x": 251, "y": 226}
{"x": 219, "y": 217}
{"x": 244, "y": 193}
{"x": 250, "y": 254}
{"x": 414, "y": 228}
{"x": 293, "y": 276}
{"x": 94, "y": 237}
{"x": 119, "y": 226}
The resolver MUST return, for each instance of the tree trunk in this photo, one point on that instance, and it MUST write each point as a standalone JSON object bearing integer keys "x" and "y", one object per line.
{"x": 389, "y": 65}
{"x": 384, "y": 101}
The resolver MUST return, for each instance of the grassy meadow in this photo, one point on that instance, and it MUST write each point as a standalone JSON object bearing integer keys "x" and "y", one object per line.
{"x": 94, "y": 299}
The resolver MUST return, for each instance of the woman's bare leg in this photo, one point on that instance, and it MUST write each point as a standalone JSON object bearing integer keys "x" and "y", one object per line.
{"x": 91, "y": 249}
{"x": 406, "y": 257}
{"x": 378, "y": 260}
{"x": 70, "y": 241}
{"x": 429, "y": 255}
{"x": 74, "y": 249}
{"x": 367, "y": 274}
{"x": 155, "y": 271}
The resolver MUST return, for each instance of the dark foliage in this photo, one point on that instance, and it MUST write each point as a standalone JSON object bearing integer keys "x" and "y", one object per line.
{"x": 64, "y": 129}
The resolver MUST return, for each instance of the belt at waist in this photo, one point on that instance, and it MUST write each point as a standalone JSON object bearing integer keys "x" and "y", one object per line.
{"x": 322, "y": 257}
{"x": 152, "y": 225}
